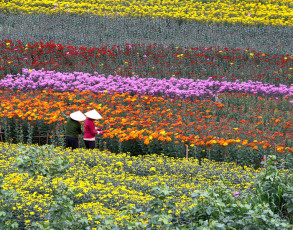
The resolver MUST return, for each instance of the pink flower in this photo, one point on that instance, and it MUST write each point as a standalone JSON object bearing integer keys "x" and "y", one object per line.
{"x": 236, "y": 193}
{"x": 249, "y": 14}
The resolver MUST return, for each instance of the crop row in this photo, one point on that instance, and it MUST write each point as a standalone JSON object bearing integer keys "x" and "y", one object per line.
{"x": 156, "y": 61}
{"x": 180, "y": 88}
{"x": 225, "y": 11}
{"x": 96, "y": 31}
{"x": 105, "y": 183}
{"x": 241, "y": 127}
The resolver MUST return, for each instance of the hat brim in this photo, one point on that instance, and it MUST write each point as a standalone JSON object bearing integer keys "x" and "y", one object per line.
{"x": 93, "y": 114}
{"x": 78, "y": 116}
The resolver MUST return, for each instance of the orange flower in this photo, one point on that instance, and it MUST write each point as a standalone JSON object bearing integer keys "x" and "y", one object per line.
{"x": 146, "y": 141}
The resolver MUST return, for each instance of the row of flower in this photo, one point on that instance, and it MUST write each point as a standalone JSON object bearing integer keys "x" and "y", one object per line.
{"x": 241, "y": 127}
{"x": 180, "y": 88}
{"x": 156, "y": 61}
{"x": 224, "y": 11}
{"x": 56, "y": 188}
{"x": 105, "y": 183}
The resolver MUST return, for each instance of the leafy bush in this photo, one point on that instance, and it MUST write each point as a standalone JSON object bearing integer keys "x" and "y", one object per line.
{"x": 276, "y": 189}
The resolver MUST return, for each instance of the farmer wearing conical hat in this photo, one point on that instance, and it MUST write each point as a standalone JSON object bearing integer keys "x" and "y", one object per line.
{"x": 73, "y": 129}
{"x": 90, "y": 130}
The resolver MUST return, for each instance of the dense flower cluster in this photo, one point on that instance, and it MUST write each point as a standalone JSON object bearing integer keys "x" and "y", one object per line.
{"x": 181, "y": 88}
{"x": 153, "y": 61}
{"x": 238, "y": 125}
{"x": 224, "y": 11}
{"x": 167, "y": 112}
{"x": 104, "y": 183}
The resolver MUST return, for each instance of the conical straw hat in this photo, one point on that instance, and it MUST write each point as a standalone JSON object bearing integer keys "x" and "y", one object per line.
{"x": 93, "y": 114}
{"x": 78, "y": 116}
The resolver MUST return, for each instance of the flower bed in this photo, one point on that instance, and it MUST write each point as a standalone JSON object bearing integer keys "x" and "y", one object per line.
{"x": 230, "y": 130}
{"x": 170, "y": 88}
{"x": 225, "y": 11}
{"x": 168, "y": 111}
{"x": 106, "y": 183}
{"x": 153, "y": 61}
{"x": 46, "y": 187}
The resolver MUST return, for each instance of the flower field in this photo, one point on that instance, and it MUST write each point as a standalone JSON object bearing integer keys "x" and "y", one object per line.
{"x": 267, "y": 12}
{"x": 196, "y": 99}
{"x": 104, "y": 184}
{"x": 156, "y": 61}
{"x": 109, "y": 182}
{"x": 148, "y": 124}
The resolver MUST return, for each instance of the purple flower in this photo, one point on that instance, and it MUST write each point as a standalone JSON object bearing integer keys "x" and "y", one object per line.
{"x": 183, "y": 88}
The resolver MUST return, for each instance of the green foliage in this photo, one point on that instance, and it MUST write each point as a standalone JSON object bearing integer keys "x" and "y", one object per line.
{"x": 6, "y": 215}
{"x": 40, "y": 161}
{"x": 268, "y": 206}
{"x": 219, "y": 209}
{"x": 61, "y": 214}
{"x": 212, "y": 209}
{"x": 160, "y": 210}
{"x": 105, "y": 223}
{"x": 159, "y": 215}
{"x": 275, "y": 188}
{"x": 102, "y": 31}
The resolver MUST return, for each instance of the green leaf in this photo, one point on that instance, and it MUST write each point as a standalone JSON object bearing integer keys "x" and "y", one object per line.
{"x": 290, "y": 209}
{"x": 14, "y": 225}
{"x": 209, "y": 210}
{"x": 2, "y": 213}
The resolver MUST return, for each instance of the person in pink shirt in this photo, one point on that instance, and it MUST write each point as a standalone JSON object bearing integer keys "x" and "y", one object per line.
{"x": 90, "y": 131}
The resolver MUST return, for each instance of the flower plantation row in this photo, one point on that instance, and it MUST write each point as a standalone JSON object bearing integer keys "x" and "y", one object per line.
{"x": 156, "y": 61}
{"x": 181, "y": 88}
{"x": 225, "y": 11}
{"x": 242, "y": 127}
{"x": 95, "y": 184}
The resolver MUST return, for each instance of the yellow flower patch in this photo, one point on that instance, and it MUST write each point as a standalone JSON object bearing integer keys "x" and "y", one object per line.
{"x": 268, "y": 12}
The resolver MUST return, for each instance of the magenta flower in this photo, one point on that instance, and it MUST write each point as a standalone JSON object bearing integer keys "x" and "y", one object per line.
{"x": 236, "y": 193}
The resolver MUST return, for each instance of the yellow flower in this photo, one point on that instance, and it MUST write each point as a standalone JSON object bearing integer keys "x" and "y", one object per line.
{"x": 152, "y": 169}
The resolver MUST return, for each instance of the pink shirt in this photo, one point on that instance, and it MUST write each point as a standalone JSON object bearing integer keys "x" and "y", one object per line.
{"x": 89, "y": 130}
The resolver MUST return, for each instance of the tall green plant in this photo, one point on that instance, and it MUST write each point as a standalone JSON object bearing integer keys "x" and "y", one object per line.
{"x": 41, "y": 161}
{"x": 275, "y": 187}
{"x": 7, "y": 197}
